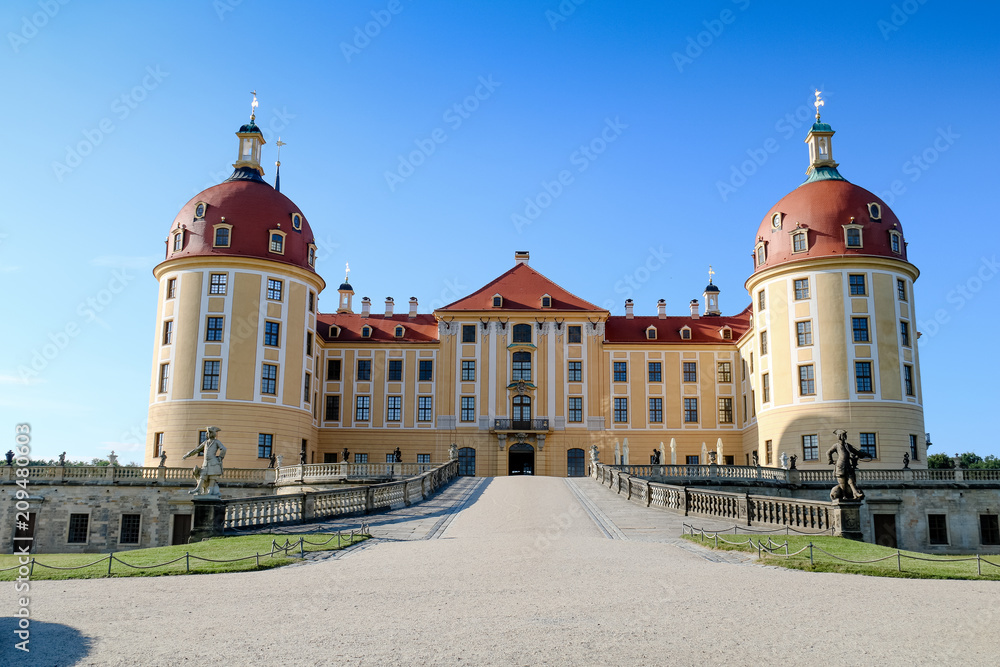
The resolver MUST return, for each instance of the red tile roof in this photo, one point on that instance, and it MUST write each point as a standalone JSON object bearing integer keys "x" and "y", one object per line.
{"x": 620, "y": 329}
{"x": 420, "y": 329}
{"x": 522, "y": 288}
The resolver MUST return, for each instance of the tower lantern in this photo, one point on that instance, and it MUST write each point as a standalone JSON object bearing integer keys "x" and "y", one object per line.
{"x": 251, "y": 139}
{"x": 820, "y": 140}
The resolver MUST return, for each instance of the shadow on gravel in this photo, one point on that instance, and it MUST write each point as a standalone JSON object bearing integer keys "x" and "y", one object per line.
{"x": 49, "y": 644}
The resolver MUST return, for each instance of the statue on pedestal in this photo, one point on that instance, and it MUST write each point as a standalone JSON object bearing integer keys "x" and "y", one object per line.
{"x": 163, "y": 458}
{"x": 277, "y": 461}
{"x": 654, "y": 458}
{"x": 271, "y": 460}
{"x": 213, "y": 452}
{"x": 906, "y": 459}
{"x": 397, "y": 456}
{"x": 784, "y": 460}
{"x": 453, "y": 452}
{"x": 112, "y": 458}
{"x": 10, "y": 457}
{"x": 847, "y": 465}
{"x": 755, "y": 459}
{"x": 595, "y": 455}
{"x": 345, "y": 455}
{"x": 62, "y": 459}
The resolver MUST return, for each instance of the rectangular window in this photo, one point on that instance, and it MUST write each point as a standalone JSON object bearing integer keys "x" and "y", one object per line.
{"x": 575, "y": 371}
{"x": 393, "y": 408}
{"x": 908, "y": 380}
{"x": 725, "y": 371}
{"x": 274, "y": 289}
{"x": 857, "y": 283}
{"x": 761, "y": 300}
{"x": 863, "y": 376}
{"x": 362, "y": 408}
{"x": 575, "y": 333}
{"x": 765, "y": 388}
{"x": 901, "y": 289}
{"x": 264, "y": 445}
{"x": 426, "y": 370}
{"x": 171, "y": 288}
{"x": 309, "y": 344}
{"x": 904, "y": 333}
{"x": 168, "y": 332}
{"x": 655, "y": 371}
{"x": 690, "y": 410}
{"x": 656, "y": 410}
{"x": 620, "y": 371}
{"x": 989, "y": 529}
{"x": 332, "y": 409}
{"x": 468, "y": 333}
{"x": 801, "y": 289}
{"x": 691, "y": 459}
{"x": 269, "y": 379}
{"x": 804, "y": 333}
{"x": 217, "y": 283}
{"x": 763, "y": 343}
{"x": 521, "y": 367}
{"x": 78, "y": 528}
{"x": 621, "y": 410}
{"x": 866, "y": 443}
{"x": 913, "y": 448}
{"x": 425, "y": 408}
{"x": 468, "y": 371}
{"x": 468, "y": 408}
{"x": 210, "y": 375}
{"x": 129, "y": 531}
{"x": 213, "y": 329}
{"x": 799, "y": 242}
{"x": 202, "y": 437}
{"x": 312, "y": 302}
{"x": 164, "y": 377}
{"x": 158, "y": 443}
{"x": 333, "y": 370}
{"x": 768, "y": 452}
{"x": 860, "y": 327}
{"x": 305, "y": 388}
{"x": 937, "y": 528}
{"x": 272, "y": 333}
{"x": 810, "y": 447}
{"x": 853, "y": 238}
{"x": 361, "y": 458}
{"x": 575, "y": 409}
{"x": 807, "y": 382}
{"x": 725, "y": 411}
{"x": 690, "y": 371}
{"x": 364, "y": 370}
{"x": 395, "y": 373}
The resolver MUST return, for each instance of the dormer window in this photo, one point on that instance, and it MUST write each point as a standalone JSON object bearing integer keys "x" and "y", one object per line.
{"x": 366, "y": 331}
{"x": 852, "y": 235}
{"x": 222, "y": 236}
{"x": 685, "y": 333}
{"x": 497, "y": 301}
{"x": 334, "y": 331}
{"x": 776, "y": 221}
{"x": 651, "y": 333}
{"x": 800, "y": 242}
{"x": 896, "y": 242}
{"x": 399, "y": 332}
{"x": 727, "y": 333}
{"x": 761, "y": 254}
{"x": 546, "y": 301}
{"x": 312, "y": 255}
{"x": 277, "y": 242}
{"x": 199, "y": 210}
{"x": 296, "y": 221}
{"x": 875, "y": 212}
{"x": 178, "y": 240}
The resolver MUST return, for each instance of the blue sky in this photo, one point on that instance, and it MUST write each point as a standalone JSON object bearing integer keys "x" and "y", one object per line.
{"x": 117, "y": 113}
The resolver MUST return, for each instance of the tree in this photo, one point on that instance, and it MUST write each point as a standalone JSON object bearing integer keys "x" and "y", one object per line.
{"x": 939, "y": 461}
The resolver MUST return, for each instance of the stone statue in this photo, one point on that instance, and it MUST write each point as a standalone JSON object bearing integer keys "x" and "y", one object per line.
{"x": 712, "y": 457}
{"x": 625, "y": 460}
{"x": 345, "y": 455}
{"x": 453, "y": 452}
{"x": 847, "y": 464}
{"x": 673, "y": 452}
{"x": 755, "y": 459}
{"x": 62, "y": 459}
{"x": 397, "y": 456}
{"x": 595, "y": 455}
{"x": 618, "y": 453}
{"x": 302, "y": 457}
{"x": 10, "y": 457}
{"x": 784, "y": 460}
{"x": 163, "y": 458}
{"x": 791, "y": 461}
{"x": 213, "y": 452}
{"x": 112, "y": 458}
{"x": 277, "y": 462}
{"x": 906, "y": 459}
{"x": 654, "y": 458}
{"x": 271, "y": 460}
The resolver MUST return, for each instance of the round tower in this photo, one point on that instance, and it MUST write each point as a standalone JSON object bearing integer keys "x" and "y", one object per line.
{"x": 235, "y": 343}
{"x": 834, "y": 324}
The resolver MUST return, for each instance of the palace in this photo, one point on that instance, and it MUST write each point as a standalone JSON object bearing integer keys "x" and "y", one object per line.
{"x": 523, "y": 376}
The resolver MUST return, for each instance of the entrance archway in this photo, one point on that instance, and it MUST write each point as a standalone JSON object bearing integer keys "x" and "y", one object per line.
{"x": 521, "y": 459}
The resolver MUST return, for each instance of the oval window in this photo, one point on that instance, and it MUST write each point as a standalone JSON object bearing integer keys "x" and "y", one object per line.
{"x": 296, "y": 221}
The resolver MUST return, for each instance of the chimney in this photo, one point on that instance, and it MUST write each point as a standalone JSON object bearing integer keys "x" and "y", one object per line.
{"x": 520, "y": 257}
{"x": 413, "y": 306}
{"x": 628, "y": 309}
{"x": 694, "y": 309}
{"x": 366, "y": 307}
{"x": 661, "y": 309}
{"x": 388, "y": 306}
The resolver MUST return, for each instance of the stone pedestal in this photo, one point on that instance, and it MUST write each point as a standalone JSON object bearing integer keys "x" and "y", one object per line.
{"x": 847, "y": 519}
{"x": 209, "y": 518}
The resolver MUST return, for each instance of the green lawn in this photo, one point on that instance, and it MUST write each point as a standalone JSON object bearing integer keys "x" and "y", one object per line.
{"x": 220, "y": 548}
{"x": 937, "y": 567}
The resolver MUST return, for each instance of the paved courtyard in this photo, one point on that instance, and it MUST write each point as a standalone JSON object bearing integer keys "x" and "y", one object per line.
{"x": 514, "y": 571}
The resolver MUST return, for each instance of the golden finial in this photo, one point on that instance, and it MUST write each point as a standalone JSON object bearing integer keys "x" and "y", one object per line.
{"x": 279, "y": 144}
{"x": 818, "y": 103}
{"x": 347, "y": 271}
{"x": 710, "y": 274}
{"x": 253, "y": 105}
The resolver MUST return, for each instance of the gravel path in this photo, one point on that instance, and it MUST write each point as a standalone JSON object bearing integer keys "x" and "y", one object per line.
{"x": 528, "y": 571}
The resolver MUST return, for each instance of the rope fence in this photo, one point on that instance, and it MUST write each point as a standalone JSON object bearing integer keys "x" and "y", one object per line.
{"x": 772, "y": 549}
{"x": 284, "y": 549}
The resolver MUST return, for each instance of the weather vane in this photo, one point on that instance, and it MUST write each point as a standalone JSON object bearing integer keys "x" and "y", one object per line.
{"x": 279, "y": 144}
{"x": 347, "y": 271}
{"x": 818, "y": 103}
{"x": 253, "y": 105}
{"x": 710, "y": 273}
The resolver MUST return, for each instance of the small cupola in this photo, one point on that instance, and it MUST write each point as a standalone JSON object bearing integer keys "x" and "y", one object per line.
{"x": 820, "y": 140}
{"x": 251, "y": 139}
{"x": 711, "y": 295}
{"x": 346, "y": 292}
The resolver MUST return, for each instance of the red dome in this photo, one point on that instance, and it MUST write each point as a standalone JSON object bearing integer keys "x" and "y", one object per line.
{"x": 254, "y": 209}
{"x": 822, "y": 208}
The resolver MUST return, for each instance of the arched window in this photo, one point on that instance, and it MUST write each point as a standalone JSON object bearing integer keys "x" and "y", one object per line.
{"x": 277, "y": 243}
{"x": 521, "y": 366}
{"x": 399, "y": 331}
{"x": 522, "y": 333}
{"x": 366, "y": 331}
